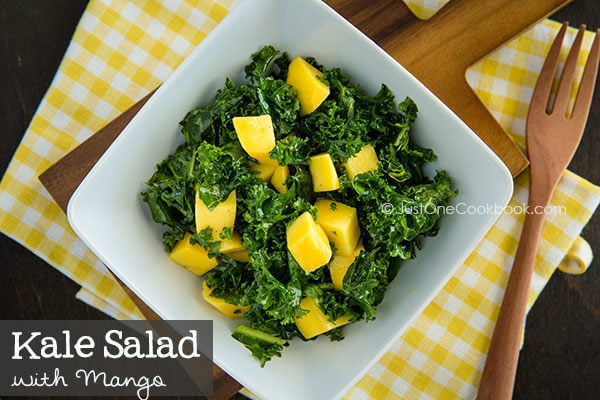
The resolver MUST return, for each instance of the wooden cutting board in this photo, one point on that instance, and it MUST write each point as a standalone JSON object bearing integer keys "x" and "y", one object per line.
{"x": 437, "y": 51}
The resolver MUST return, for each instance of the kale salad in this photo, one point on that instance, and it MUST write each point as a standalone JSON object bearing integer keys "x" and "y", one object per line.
{"x": 295, "y": 195}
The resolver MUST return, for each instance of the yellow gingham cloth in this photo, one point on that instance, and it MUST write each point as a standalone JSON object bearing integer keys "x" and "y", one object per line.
{"x": 425, "y": 9}
{"x": 122, "y": 50}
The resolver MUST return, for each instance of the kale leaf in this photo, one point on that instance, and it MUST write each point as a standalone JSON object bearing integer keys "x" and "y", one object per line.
{"x": 262, "y": 345}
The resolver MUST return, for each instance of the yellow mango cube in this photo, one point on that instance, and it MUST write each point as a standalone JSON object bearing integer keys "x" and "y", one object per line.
{"x": 359, "y": 248}
{"x": 308, "y": 243}
{"x": 265, "y": 171}
{"x": 234, "y": 248}
{"x": 233, "y": 311}
{"x": 306, "y": 82}
{"x": 280, "y": 174}
{"x": 220, "y": 217}
{"x": 364, "y": 161}
{"x": 322, "y": 171}
{"x": 316, "y": 322}
{"x": 192, "y": 256}
{"x": 340, "y": 223}
{"x": 241, "y": 256}
{"x": 338, "y": 266}
{"x": 256, "y": 136}
{"x": 232, "y": 245}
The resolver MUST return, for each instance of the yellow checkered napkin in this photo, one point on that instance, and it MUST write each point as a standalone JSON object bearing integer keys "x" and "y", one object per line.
{"x": 122, "y": 50}
{"x": 425, "y": 9}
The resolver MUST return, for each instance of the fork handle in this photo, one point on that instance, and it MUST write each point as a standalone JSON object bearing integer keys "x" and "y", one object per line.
{"x": 498, "y": 376}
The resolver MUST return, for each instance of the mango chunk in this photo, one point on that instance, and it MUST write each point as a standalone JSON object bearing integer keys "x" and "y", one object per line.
{"x": 308, "y": 243}
{"x": 306, "y": 81}
{"x": 233, "y": 311}
{"x": 323, "y": 173}
{"x": 192, "y": 256}
{"x": 234, "y": 248}
{"x": 337, "y": 269}
{"x": 364, "y": 161}
{"x": 340, "y": 223}
{"x": 220, "y": 217}
{"x": 316, "y": 322}
{"x": 241, "y": 256}
{"x": 338, "y": 266}
{"x": 359, "y": 248}
{"x": 280, "y": 174}
{"x": 256, "y": 136}
{"x": 232, "y": 245}
{"x": 265, "y": 171}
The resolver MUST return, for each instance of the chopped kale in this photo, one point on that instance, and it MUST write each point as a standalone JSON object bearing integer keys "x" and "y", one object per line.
{"x": 211, "y": 164}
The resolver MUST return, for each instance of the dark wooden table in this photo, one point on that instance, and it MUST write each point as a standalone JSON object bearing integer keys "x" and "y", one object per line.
{"x": 561, "y": 355}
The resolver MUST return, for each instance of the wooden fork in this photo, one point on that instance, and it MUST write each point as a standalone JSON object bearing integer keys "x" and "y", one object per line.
{"x": 552, "y": 138}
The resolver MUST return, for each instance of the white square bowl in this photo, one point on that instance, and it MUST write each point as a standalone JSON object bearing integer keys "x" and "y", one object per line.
{"x": 108, "y": 214}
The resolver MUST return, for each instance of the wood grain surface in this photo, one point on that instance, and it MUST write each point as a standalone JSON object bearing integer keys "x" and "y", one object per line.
{"x": 562, "y": 328}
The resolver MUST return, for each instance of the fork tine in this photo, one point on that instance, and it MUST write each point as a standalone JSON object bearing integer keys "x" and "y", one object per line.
{"x": 588, "y": 81}
{"x": 566, "y": 79}
{"x": 541, "y": 93}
